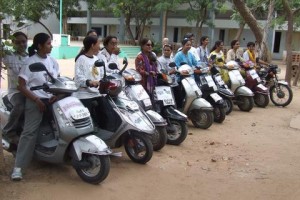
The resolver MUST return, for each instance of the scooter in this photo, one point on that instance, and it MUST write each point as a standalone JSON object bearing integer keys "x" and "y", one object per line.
{"x": 132, "y": 127}
{"x": 66, "y": 131}
{"x": 223, "y": 90}
{"x": 198, "y": 110}
{"x": 159, "y": 138}
{"x": 280, "y": 92}
{"x": 243, "y": 96}
{"x": 209, "y": 93}
{"x": 254, "y": 83}
{"x": 164, "y": 104}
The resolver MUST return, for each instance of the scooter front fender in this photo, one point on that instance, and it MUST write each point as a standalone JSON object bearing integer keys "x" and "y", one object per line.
{"x": 283, "y": 82}
{"x": 89, "y": 144}
{"x": 156, "y": 118}
{"x": 243, "y": 91}
{"x": 172, "y": 113}
{"x": 200, "y": 104}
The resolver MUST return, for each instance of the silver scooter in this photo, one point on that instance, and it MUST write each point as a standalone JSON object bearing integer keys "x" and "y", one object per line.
{"x": 135, "y": 91}
{"x": 131, "y": 126}
{"x": 243, "y": 96}
{"x": 198, "y": 110}
{"x": 65, "y": 131}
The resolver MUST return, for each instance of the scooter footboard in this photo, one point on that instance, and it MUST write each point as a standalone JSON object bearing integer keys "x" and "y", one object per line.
{"x": 243, "y": 91}
{"x": 89, "y": 144}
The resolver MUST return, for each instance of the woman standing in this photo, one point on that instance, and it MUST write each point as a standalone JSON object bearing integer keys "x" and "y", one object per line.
{"x": 145, "y": 64}
{"x": 110, "y": 52}
{"x": 202, "y": 50}
{"x": 14, "y": 62}
{"x": 35, "y": 100}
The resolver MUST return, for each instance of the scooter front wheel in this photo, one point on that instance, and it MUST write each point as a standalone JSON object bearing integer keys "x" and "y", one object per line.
{"x": 138, "y": 147}
{"x": 93, "y": 168}
{"x": 219, "y": 114}
{"x": 261, "y": 100}
{"x": 245, "y": 103}
{"x": 159, "y": 138}
{"x": 229, "y": 105}
{"x": 281, "y": 95}
{"x": 202, "y": 119}
{"x": 177, "y": 136}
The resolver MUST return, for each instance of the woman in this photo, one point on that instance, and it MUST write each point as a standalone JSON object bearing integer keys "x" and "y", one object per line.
{"x": 235, "y": 53}
{"x": 35, "y": 100}
{"x": 220, "y": 59}
{"x": 110, "y": 52}
{"x": 145, "y": 64}
{"x": 202, "y": 50}
{"x": 13, "y": 63}
{"x": 166, "y": 59}
{"x": 184, "y": 56}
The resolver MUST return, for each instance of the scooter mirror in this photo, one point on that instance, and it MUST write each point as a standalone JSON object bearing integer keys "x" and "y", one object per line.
{"x": 113, "y": 66}
{"x": 125, "y": 61}
{"x": 172, "y": 64}
{"x": 99, "y": 63}
{"x": 37, "y": 67}
{"x": 213, "y": 57}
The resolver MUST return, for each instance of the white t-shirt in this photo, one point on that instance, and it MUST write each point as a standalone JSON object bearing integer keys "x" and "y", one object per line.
{"x": 85, "y": 70}
{"x": 39, "y": 78}
{"x": 14, "y": 62}
{"x": 108, "y": 58}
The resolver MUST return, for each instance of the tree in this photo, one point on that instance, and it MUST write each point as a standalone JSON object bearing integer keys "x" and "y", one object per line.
{"x": 291, "y": 10}
{"x": 250, "y": 19}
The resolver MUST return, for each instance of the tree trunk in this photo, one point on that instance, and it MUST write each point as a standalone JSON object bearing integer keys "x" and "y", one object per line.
{"x": 128, "y": 29}
{"x": 43, "y": 25}
{"x": 264, "y": 54}
{"x": 240, "y": 31}
{"x": 249, "y": 19}
{"x": 288, "y": 43}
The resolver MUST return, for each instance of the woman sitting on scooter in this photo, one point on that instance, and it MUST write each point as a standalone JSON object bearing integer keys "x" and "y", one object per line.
{"x": 236, "y": 54}
{"x": 145, "y": 64}
{"x": 250, "y": 56}
{"x": 220, "y": 59}
{"x": 13, "y": 62}
{"x": 109, "y": 54}
{"x": 202, "y": 50}
{"x": 36, "y": 100}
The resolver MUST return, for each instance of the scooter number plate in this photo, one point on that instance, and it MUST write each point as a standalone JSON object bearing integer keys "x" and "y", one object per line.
{"x": 210, "y": 81}
{"x": 79, "y": 113}
{"x": 253, "y": 74}
{"x": 216, "y": 97}
{"x": 220, "y": 80}
{"x": 164, "y": 94}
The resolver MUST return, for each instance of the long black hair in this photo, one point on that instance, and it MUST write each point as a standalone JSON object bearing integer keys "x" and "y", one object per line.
{"x": 40, "y": 38}
{"x": 88, "y": 41}
{"x": 217, "y": 44}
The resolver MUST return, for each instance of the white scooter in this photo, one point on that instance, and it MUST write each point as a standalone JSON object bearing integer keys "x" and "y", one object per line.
{"x": 65, "y": 131}
{"x": 198, "y": 110}
{"x": 243, "y": 96}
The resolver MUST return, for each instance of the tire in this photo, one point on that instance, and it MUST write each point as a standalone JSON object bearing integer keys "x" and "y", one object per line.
{"x": 159, "y": 138}
{"x": 181, "y": 132}
{"x": 247, "y": 103}
{"x": 202, "y": 119}
{"x": 261, "y": 100}
{"x": 137, "y": 143}
{"x": 229, "y": 105}
{"x": 97, "y": 172}
{"x": 219, "y": 114}
{"x": 278, "y": 98}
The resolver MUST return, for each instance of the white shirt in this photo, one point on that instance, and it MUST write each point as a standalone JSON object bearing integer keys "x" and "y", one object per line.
{"x": 108, "y": 58}
{"x": 86, "y": 70}
{"x": 203, "y": 54}
{"x": 163, "y": 63}
{"x": 13, "y": 62}
{"x": 39, "y": 78}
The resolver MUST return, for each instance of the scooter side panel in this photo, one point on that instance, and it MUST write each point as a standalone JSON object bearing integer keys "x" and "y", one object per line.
{"x": 200, "y": 104}
{"x": 243, "y": 91}
{"x": 172, "y": 113}
{"x": 156, "y": 118}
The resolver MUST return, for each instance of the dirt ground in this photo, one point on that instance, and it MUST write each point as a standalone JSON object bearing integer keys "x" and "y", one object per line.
{"x": 250, "y": 156}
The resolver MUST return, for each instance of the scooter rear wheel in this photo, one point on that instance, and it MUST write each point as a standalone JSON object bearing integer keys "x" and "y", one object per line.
{"x": 202, "y": 119}
{"x": 97, "y": 168}
{"x": 261, "y": 100}
{"x": 138, "y": 147}
{"x": 159, "y": 138}
{"x": 229, "y": 105}
{"x": 180, "y": 134}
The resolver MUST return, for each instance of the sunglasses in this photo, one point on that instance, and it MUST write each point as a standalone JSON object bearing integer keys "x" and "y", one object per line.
{"x": 149, "y": 45}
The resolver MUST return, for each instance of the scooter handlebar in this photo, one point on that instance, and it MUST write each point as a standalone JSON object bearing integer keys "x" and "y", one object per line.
{"x": 40, "y": 87}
